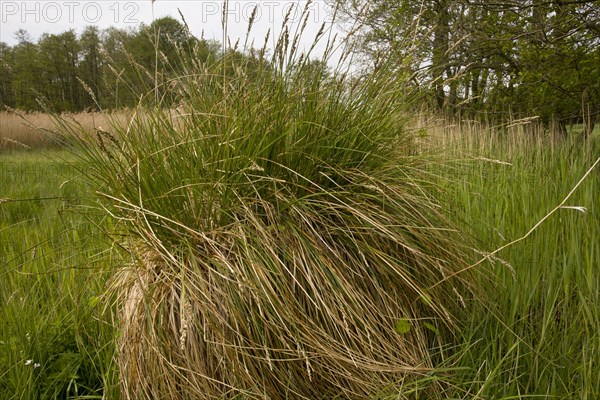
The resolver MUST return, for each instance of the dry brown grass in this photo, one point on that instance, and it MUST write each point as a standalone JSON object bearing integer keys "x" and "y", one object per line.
{"x": 441, "y": 132}
{"x": 33, "y": 130}
{"x": 482, "y": 137}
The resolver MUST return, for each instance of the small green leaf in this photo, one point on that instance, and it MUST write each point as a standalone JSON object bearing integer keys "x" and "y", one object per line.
{"x": 93, "y": 301}
{"x": 403, "y": 326}
{"x": 431, "y": 327}
{"x": 426, "y": 299}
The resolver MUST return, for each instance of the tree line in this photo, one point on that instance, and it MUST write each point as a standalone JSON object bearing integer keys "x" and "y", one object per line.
{"x": 517, "y": 58}
{"x": 499, "y": 60}
{"x": 98, "y": 69}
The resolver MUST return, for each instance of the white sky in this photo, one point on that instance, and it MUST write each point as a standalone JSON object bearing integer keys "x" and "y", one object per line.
{"x": 39, "y": 17}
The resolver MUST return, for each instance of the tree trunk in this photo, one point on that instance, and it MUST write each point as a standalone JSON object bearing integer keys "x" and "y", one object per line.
{"x": 439, "y": 59}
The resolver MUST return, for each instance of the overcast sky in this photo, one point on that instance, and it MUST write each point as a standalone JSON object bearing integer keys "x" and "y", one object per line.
{"x": 39, "y": 17}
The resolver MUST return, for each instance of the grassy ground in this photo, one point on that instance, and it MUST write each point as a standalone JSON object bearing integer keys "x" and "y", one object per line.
{"x": 540, "y": 338}
{"x": 55, "y": 341}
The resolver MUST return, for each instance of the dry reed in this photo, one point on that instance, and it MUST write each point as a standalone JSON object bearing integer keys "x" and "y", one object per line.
{"x": 35, "y": 130}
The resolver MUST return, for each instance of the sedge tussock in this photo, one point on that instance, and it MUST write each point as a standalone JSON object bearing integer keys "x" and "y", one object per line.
{"x": 285, "y": 238}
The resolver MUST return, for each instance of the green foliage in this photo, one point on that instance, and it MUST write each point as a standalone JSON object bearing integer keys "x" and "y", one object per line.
{"x": 280, "y": 222}
{"x": 504, "y": 58}
{"x": 58, "y": 59}
{"x": 99, "y": 69}
{"x": 91, "y": 66}
{"x": 540, "y": 335}
{"x": 288, "y": 236}
{"x": 6, "y": 93}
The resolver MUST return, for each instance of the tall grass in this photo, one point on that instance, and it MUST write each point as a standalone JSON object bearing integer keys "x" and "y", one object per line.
{"x": 284, "y": 231}
{"x": 539, "y": 337}
{"x": 289, "y": 236}
{"x": 55, "y": 336}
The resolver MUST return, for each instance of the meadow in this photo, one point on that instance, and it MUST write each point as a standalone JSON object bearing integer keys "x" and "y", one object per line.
{"x": 266, "y": 225}
{"x": 55, "y": 338}
{"x": 537, "y": 336}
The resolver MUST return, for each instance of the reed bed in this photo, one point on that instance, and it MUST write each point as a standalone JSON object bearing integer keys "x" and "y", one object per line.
{"x": 20, "y": 130}
{"x": 530, "y": 198}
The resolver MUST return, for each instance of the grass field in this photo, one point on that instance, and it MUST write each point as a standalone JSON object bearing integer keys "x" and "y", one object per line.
{"x": 261, "y": 226}
{"x": 541, "y": 335}
{"x": 55, "y": 337}
{"x": 539, "y": 338}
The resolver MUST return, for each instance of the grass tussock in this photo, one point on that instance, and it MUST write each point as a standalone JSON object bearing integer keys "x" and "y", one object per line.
{"x": 287, "y": 237}
{"x": 284, "y": 233}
